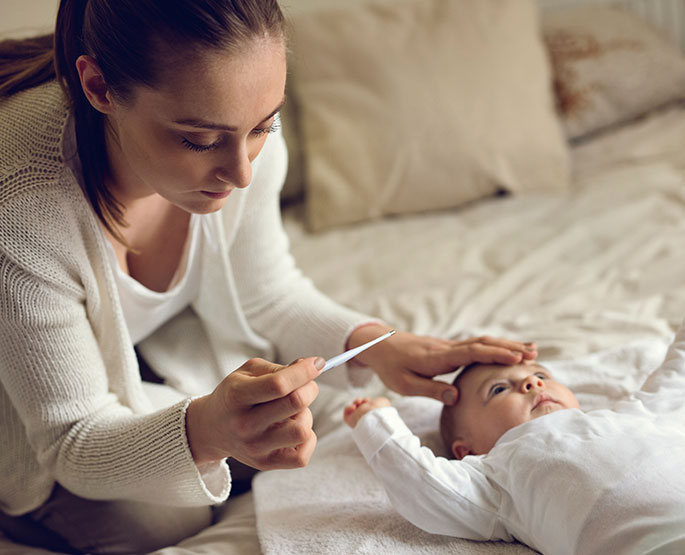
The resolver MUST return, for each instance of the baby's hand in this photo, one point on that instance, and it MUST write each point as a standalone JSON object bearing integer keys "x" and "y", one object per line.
{"x": 360, "y": 406}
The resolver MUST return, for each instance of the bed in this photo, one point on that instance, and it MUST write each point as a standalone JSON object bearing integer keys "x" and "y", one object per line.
{"x": 568, "y": 232}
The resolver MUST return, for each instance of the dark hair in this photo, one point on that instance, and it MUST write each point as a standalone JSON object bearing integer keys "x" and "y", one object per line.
{"x": 25, "y": 63}
{"x": 449, "y": 427}
{"x": 127, "y": 38}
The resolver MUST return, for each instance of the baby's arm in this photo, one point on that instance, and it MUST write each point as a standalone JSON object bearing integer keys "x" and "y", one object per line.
{"x": 663, "y": 390}
{"x": 440, "y": 496}
{"x": 360, "y": 406}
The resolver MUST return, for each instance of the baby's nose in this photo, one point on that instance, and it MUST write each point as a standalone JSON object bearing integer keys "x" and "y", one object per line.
{"x": 533, "y": 382}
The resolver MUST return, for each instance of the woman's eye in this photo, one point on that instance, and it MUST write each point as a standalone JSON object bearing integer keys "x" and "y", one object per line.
{"x": 275, "y": 126}
{"x": 198, "y": 148}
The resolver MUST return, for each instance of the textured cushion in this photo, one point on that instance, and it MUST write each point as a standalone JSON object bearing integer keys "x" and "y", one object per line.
{"x": 609, "y": 66}
{"x": 421, "y": 105}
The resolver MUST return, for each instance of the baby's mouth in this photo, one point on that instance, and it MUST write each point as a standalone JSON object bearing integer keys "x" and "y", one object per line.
{"x": 542, "y": 400}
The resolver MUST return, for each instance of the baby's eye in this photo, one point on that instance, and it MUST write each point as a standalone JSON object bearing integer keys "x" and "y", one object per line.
{"x": 497, "y": 389}
{"x": 542, "y": 376}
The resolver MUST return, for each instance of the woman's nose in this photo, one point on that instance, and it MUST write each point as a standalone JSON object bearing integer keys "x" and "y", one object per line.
{"x": 237, "y": 170}
{"x": 533, "y": 382}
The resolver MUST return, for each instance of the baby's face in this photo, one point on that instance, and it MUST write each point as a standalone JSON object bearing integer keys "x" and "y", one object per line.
{"x": 494, "y": 399}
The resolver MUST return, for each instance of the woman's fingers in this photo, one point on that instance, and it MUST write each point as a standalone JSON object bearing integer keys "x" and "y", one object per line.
{"x": 528, "y": 350}
{"x": 487, "y": 350}
{"x": 286, "y": 444}
{"x": 291, "y": 457}
{"x": 258, "y": 415}
{"x": 285, "y": 407}
{"x": 259, "y": 381}
{"x": 290, "y": 432}
{"x": 409, "y": 383}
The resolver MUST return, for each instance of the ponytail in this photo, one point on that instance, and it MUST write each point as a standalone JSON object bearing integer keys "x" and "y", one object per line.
{"x": 25, "y": 63}
{"x": 89, "y": 124}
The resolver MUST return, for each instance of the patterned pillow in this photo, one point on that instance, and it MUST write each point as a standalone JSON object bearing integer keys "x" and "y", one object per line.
{"x": 609, "y": 66}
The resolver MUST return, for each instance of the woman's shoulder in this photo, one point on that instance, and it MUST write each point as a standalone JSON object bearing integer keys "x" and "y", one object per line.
{"x": 32, "y": 125}
{"x": 44, "y": 215}
{"x": 33, "y": 110}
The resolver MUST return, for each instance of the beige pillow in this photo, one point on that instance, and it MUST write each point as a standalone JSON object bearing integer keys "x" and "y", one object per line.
{"x": 422, "y": 105}
{"x": 609, "y": 66}
{"x": 293, "y": 188}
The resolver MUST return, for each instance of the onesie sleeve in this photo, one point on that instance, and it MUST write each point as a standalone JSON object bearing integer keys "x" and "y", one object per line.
{"x": 664, "y": 388}
{"x": 440, "y": 496}
{"x": 280, "y": 303}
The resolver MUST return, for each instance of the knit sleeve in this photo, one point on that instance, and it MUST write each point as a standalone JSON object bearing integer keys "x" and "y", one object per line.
{"x": 440, "y": 496}
{"x": 72, "y": 388}
{"x": 281, "y": 304}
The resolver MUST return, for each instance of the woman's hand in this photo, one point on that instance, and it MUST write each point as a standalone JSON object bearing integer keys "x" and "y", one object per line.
{"x": 406, "y": 363}
{"x": 259, "y": 415}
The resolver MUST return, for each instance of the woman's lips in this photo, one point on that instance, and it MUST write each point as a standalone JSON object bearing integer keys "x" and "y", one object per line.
{"x": 216, "y": 196}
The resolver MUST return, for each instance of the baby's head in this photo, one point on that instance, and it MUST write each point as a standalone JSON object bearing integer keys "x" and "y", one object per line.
{"x": 494, "y": 398}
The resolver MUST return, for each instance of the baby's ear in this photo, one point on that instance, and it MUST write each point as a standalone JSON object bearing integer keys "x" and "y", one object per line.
{"x": 460, "y": 448}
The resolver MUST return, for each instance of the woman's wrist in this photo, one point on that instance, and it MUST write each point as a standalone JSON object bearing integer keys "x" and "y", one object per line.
{"x": 196, "y": 429}
{"x": 363, "y": 334}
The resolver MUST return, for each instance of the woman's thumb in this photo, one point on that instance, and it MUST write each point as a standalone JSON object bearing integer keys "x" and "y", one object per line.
{"x": 443, "y": 392}
{"x": 449, "y": 395}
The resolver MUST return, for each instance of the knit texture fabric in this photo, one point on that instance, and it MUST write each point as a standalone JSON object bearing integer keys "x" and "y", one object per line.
{"x": 72, "y": 404}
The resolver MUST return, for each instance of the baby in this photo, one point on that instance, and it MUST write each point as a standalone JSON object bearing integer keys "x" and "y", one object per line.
{"x": 531, "y": 466}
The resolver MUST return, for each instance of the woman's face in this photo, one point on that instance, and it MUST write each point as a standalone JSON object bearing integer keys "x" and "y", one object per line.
{"x": 192, "y": 139}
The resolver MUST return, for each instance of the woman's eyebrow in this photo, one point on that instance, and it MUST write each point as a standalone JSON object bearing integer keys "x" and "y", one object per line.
{"x": 204, "y": 124}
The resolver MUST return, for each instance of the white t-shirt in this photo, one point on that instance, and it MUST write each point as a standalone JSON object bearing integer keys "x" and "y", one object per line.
{"x": 146, "y": 310}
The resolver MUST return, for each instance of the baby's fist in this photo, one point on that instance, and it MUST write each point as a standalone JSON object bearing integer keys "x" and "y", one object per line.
{"x": 360, "y": 406}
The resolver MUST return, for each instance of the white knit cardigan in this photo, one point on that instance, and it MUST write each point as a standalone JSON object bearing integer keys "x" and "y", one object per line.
{"x": 72, "y": 405}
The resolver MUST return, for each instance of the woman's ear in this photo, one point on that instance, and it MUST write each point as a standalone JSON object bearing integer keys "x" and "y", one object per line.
{"x": 461, "y": 448}
{"x": 94, "y": 85}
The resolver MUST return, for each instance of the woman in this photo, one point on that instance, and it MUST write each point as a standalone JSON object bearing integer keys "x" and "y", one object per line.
{"x": 126, "y": 221}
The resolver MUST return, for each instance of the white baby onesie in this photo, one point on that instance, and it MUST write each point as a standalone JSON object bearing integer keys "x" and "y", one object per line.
{"x": 570, "y": 482}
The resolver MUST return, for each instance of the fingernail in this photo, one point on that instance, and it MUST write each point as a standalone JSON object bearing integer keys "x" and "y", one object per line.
{"x": 319, "y": 363}
{"x": 449, "y": 397}
{"x": 531, "y": 347}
